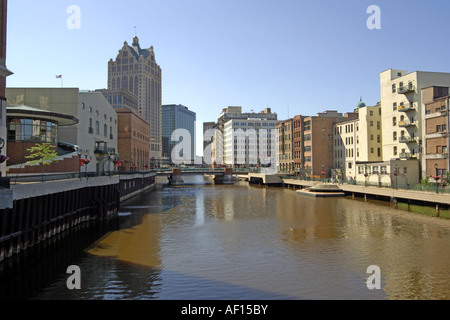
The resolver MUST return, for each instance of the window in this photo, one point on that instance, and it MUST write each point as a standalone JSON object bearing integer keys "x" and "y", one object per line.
{"x": 378, "y": 125}
{"x": 379, "y": 152}
{"x": 105, "y": 130}
{"x": 395, "y": 106}
{"x": 371, "y": 113}
{"x": 405, "y": 170}
{"x": 371, "y": 123}
{"x": 395, "y": 150}
{"x": 378, "y": 138}
{"x": 394, "y": 88}
{"x": 371, "y": 137}
{"x": 394, "y": 136}
{"x": 97, "y": 127}
{"x": 394, "y": 121}
{"x": 371, "y": 150}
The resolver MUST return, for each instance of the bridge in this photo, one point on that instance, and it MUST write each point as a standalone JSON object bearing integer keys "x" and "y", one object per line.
{"x": 192, "y": 171}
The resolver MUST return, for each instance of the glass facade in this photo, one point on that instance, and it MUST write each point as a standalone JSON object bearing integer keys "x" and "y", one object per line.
{"x": 32, "y": 130}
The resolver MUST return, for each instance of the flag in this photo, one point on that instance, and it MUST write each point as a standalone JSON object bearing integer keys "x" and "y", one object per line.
{"x": 59, "y": 76}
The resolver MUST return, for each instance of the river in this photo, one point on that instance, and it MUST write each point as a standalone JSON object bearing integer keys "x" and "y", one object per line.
{"x": 202, "y": 241}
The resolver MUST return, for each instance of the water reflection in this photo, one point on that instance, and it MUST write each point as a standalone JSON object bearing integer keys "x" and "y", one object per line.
{"x": 200, "y": 241}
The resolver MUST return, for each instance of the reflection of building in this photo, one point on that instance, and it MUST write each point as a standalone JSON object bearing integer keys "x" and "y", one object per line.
{"x": 176, "y": 117}
{"x": 136, "y": 70}
{"x": 96, "y": 130}
{"x": 285, "y": 135}
{"x": 134, "y": 147}
{"x": 4, "y": 72}
{"x": 436, "y": 138}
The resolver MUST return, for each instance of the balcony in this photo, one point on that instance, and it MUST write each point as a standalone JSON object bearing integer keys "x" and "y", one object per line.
{"x": 407, "y": 156}
{"x": 406, "y": 108}
{"x": 407, "y": 140}
{"x": 406, "y": 89}
{"x": 407, "y": 123}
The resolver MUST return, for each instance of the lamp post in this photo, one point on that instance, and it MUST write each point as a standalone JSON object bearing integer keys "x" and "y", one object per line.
{"x": 396, "y": 175}
{"x": 86, "y": 162}
{"x": 436, "y": 177}
{"x": 2, "y": 157}
{"x": 79, "y": 152}
{"x": 366, "y": 174}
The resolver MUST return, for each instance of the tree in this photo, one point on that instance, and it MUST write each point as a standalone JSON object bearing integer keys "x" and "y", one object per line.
{"x": 42, "y": 153}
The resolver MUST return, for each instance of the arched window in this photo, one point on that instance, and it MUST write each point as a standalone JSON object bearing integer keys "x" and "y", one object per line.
{"x": 113, "y": 86}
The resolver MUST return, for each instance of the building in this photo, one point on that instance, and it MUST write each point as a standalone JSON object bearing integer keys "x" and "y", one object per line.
{"x": 121, "y": 99}
{"x": 176, "y": 117}
{"x": 250, "y": 143}
{"x": 357, "y": 142}
{"x": 232, "y": 113}
{"x": 208, "y": 127}
{"x": 403, "y": 114}
{"x": 133, "y": 141}
{"x": 96, "y": 130}
{"x": 318, "y": 143}
{"x": 285, "y": 151}
{"x": 135, "y": 69}
{"x": 28, "y": 126}
{"x": 4, "y": 72}
{"x": 435, "y": 101}
{"x": 298, "y": 130}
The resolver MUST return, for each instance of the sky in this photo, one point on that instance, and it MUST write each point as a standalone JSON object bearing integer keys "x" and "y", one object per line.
{"x": 293, "y": 56}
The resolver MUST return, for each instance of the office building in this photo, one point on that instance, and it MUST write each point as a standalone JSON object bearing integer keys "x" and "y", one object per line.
{"x": 178, "y": 117}
{"x": 135, "y": 69}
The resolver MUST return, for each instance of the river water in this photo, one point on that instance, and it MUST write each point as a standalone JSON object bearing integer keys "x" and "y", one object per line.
{"x": 202, "y": 241}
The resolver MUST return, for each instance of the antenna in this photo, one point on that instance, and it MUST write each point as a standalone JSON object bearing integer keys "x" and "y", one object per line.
{"x": 135, "y": 31}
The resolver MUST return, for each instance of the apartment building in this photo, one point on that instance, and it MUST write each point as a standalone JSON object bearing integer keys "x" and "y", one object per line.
{"x": 285, "y": 151}
{"x": 358, "y": 142}
{"x": 436, "y": 140}
{"x": 318, "y": 143}
{"x": 403, "y": 115}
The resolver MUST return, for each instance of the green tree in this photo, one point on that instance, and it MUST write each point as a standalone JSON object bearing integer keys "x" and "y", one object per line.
{"x": 42, "y": 153}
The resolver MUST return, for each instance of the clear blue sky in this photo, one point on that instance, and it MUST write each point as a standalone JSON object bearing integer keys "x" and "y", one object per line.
{"x": 309, "y": 55}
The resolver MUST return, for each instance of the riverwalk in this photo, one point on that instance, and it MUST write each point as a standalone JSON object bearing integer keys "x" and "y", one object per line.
{"x": 381, "y": 192}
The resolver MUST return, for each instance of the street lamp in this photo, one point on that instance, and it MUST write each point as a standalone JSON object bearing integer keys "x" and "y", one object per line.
{"x": 366, "y": 174}
{"x": 436, "y": 177}
{"x": 3, "y": 158}
{"x": 79, "y": 152}
{"x": 396, "y": 175}
{"x": 86, "y": 162}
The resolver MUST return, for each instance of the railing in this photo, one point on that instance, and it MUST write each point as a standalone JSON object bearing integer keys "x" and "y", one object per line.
{"x": 407, "y": 123}
{"x": 407, "y": 140}
{"x": 405, "y": 108}
{"x": 406, "y": 89}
